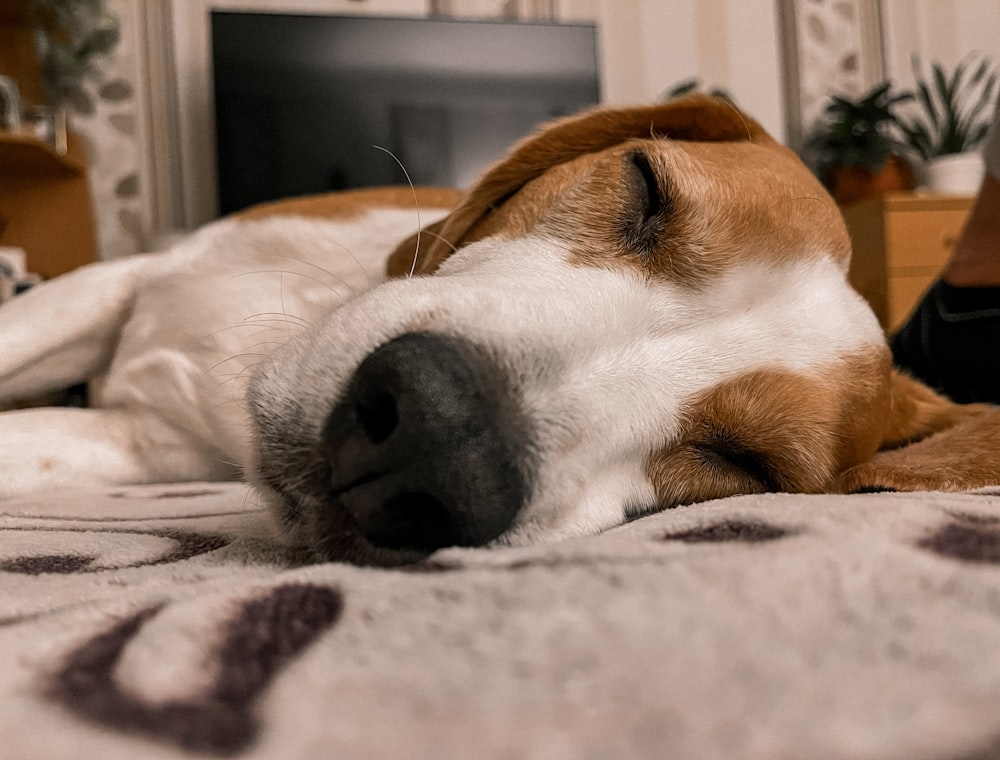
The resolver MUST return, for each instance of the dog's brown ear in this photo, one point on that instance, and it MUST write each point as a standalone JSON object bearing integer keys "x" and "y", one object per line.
{"x": 413, "y": 255}
{"x": 930, "y": 444}
{"x": 698, "y": 118}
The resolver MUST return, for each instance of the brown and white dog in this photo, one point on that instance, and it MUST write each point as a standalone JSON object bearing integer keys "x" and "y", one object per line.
{"x": 636, "y": 309}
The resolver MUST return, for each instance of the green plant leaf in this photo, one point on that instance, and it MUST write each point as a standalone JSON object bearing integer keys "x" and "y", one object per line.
{"x": 941, "y": 83}
{"x": 902, "y": 97}
{"x": 682, "y": 88}
{"x": 859, "y": 132}
{"x": 979, "y": 134}
{"x": 877, "y": 93}
{"x": 953, "y": 106}
{"x": 923, "y": 92}
{"x": 918, "y": 136}
{"x": 70, "y": 34}
{"x": 955, "y": 84}
{"x": 980, "y": 72}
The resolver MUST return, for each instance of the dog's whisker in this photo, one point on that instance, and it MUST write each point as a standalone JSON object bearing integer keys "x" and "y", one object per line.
{"x": 276, "y": 322}
{"x": 250, "y": 495}
{"x": 231, "y": 463}
{"x": 267, "y": 317}
{"x": 416, "y": 206}
{"x": 315, "y": 279}
{"x": 240, "y": 474}
{"x": 742, "y": 118}
{"x": 241, "y": 356}
{"x": 442, "y": 238}
{"x": 235, "y": 376}
{"x": 281, "y": 292}
{"x": 327, "y": 272}
{"x": 300, "y": 479}
{"x": 266, "y": 324}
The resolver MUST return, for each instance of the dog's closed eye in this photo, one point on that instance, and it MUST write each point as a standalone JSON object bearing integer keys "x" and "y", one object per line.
{"x": 654, "y": 201}
{"x": 724, "y": 453}
{"x": 647, "y": 204}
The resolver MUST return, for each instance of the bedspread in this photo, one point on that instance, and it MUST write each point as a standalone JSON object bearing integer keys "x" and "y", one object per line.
{"x": 164, "y": 622}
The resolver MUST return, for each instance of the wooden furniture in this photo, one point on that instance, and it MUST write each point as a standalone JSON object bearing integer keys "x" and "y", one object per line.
{"x": 45, "y": 203}
{"x": 901, "y": 241}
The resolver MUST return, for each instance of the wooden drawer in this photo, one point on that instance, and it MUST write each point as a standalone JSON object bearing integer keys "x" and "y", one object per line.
{"x": 901, "y": 241}
{"x": 921, "y": 238}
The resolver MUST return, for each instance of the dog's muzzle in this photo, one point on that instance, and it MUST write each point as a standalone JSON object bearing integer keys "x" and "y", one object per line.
{"x": 426, "y": 447}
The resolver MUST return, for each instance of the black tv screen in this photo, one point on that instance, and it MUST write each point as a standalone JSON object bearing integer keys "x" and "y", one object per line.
{"x": 305, "y": 103}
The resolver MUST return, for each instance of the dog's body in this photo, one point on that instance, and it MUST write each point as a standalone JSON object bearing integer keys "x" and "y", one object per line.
{"x": 174, "y": 334}
{"x": 636, "y": 309}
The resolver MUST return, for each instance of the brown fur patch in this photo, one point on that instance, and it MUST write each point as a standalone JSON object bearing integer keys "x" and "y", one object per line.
{"x": 695, "y": 117}
{"x": 916, "y": 411}
{"x": 725, "y": 204}
{"x": 350, "y": 204}
{"x": 733, "y": 194}
{"x": 772, "y": 430}
{"x": 956, "y": 458}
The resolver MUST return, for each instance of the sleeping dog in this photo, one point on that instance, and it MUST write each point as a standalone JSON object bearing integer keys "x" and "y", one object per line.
{"x": 636, "y": 309}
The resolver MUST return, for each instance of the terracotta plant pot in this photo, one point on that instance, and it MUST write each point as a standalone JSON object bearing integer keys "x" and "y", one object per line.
{"x": 848, "y": 184}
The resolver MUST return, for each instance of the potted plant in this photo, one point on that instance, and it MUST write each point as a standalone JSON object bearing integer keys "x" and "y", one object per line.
{"x": 955, "y": 113}
{"x": 858, "y": 148}
{"x": 694, "y": 85}
{"x": 72, "y": 34}
{"x": 69, "y": 36}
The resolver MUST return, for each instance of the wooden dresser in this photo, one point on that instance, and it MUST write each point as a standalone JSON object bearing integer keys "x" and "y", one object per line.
{"x": 901, "y": 241}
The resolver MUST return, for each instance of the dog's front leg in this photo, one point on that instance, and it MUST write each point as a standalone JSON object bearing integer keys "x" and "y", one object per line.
{"x": 64, "y": 331}
{"x": 42, "y": 449}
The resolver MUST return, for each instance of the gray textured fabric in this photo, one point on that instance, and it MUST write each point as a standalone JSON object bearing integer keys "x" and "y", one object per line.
{"x": 164, "y": 623}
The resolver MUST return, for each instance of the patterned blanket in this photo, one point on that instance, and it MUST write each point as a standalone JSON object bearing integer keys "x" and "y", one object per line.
{"x": 163, "y": 622}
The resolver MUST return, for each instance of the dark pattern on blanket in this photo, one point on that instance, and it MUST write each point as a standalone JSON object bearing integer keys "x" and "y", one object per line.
{"x": 258, "y": 641}
{"x": 187, "y": 545}
{"x": 971, "y": 540}
{"x": 732, "y": 530}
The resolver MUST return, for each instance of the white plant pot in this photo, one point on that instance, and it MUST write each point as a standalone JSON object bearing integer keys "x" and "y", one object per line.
{"x": 957, "y": 174}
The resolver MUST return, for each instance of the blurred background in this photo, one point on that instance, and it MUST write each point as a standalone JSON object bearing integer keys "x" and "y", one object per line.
{"x": 201, "y": 107}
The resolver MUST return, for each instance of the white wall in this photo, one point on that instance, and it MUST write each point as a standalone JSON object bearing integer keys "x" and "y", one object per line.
{"x": 650, "y": 45}
{"x": 939, "y": 30}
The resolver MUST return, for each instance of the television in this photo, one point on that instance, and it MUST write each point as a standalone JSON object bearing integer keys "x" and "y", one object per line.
{"x": 307, "y": 103}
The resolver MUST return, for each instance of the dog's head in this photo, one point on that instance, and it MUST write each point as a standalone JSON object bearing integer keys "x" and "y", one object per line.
{"x": 636, "y": 309}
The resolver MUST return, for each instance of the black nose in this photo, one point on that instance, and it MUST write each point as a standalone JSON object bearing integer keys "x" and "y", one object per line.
{"x": 427, "y": 447}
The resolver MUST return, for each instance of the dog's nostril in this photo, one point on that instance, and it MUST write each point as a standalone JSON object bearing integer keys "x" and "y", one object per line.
{"x": 412, "y": 520}
{"x": 377, "y": 414}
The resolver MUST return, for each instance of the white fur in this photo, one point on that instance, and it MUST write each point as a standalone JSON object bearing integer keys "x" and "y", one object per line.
{"x": 176, "y": 335}
{"x": 603, "y": 360}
